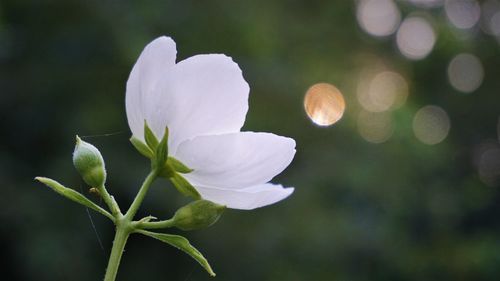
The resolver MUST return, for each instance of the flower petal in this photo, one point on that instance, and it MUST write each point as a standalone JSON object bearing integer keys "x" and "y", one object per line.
{"x": 246, "y": 199}
{"x": 236, "y": 160}
{"x": 151, "y": 67}
{"x": 203, "y": 95}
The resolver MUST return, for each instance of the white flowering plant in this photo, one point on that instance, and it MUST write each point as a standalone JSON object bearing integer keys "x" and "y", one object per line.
{"x": 186, "y": 118}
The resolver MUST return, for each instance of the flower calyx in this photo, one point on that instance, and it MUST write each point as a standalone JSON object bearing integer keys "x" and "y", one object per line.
{"x": 166, "y": 166}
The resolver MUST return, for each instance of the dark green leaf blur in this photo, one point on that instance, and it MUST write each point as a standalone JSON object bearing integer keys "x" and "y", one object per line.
{"x": 405, "y": 186}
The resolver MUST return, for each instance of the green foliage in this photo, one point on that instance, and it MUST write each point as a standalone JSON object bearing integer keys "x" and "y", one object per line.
{"x": 182, "y": 244}
{"x": 73, "y": 196}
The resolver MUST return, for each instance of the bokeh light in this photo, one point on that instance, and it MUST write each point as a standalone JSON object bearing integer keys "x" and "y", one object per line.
{"x": 431, "y": 124}
{"x": 386, "y": 90}
{"x": 494, "y": 24}
{"x": 375, "y": 127}
{"x": 487, "y": 160}
{"x": 426, "y": 3}
{"x": 415, "y": 38}
{"x": 465, "y": 73}
{"x": 324, "y": 104}
{"x": 463, "y": 14}
{"x": 378, "y": 17}
{"x": 490, "y": 11}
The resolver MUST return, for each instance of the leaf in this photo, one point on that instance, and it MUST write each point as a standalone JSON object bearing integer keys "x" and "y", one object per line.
{"x": 184, "y": 187}
{"x": 178, "y": 166}
{"x": 162, "y": 150}
{"x": 73, "y": 195}
{"x": 141, "y": 147}
{"x": 182, "y": 244}
{"x": 150, "y": 137}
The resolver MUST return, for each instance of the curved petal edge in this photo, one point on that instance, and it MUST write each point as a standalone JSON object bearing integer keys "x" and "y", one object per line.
{"x": 236, "y": 160}
{"x": 246, "y": 199}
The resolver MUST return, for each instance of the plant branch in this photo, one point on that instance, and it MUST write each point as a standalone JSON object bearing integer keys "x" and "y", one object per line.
{"x": 156, "y": 224}
{"x": 134, "y": 207}
{"x": 109, "y": 200}
{"x": 121, "y": 236}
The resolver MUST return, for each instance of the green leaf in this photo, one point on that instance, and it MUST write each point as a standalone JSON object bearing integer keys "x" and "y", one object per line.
{"x": 182, "y": 244}
{"x": 73, "y": 195}
{"x": 178, "y": 166}
{"x": 162, "y": 151}
{"x": 141, "y": 147}
{"x": 150, "y": 137}
{"x": 184, "y": 187}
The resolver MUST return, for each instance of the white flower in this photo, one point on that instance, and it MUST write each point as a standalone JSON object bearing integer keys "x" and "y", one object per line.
{"x": 203, "y": 100}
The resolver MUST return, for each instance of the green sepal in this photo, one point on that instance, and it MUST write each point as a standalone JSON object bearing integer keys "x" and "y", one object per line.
{"x": 166, "y": 172}
{"x": 150, "y": 137}
{"x": 182, "y": 244}
{"x": 161, "y": 154}
{"x": 197, "y": 214}
{"x": 141, "y": 147}
{"x": 147, "y": 219}
{"x": 183, "y": 186}
{"x": 178, "y": 166}
{"x": 73, "y": 195}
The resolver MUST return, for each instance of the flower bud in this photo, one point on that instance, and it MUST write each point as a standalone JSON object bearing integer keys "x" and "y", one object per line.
{"x": 88, "y": 161}
{"x": 197, "y": 214}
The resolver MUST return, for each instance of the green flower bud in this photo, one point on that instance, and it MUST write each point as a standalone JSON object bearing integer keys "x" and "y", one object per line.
{"x": 88, "y": 161}
{"x": 197, "y": 214}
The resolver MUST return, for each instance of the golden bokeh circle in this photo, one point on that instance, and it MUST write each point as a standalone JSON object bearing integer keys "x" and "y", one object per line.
{"x": 324, "y": 104}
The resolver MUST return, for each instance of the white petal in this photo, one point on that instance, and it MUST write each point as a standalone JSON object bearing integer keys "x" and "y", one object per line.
{"x": 151, "y": 67}
{"x": 236, "y": 160}
{"x": 248, "y": 198}
{"x": 203, "y": 95}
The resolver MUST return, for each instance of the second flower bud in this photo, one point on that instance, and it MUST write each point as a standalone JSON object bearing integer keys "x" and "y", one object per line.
{"x": 89, "y": 163}
{"x": 197, "y": 214}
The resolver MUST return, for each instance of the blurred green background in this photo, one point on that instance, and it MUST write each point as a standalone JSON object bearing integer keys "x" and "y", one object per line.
{"x": 380, "y": 195}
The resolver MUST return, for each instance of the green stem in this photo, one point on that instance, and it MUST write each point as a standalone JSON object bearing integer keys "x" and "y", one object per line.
{"x": 157, "y": 224}
{"x": 124, "y": 225}
{"x": 140, "y": 195}
{"x": 121, "y": 236}
{"x": 108, "y": 199}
